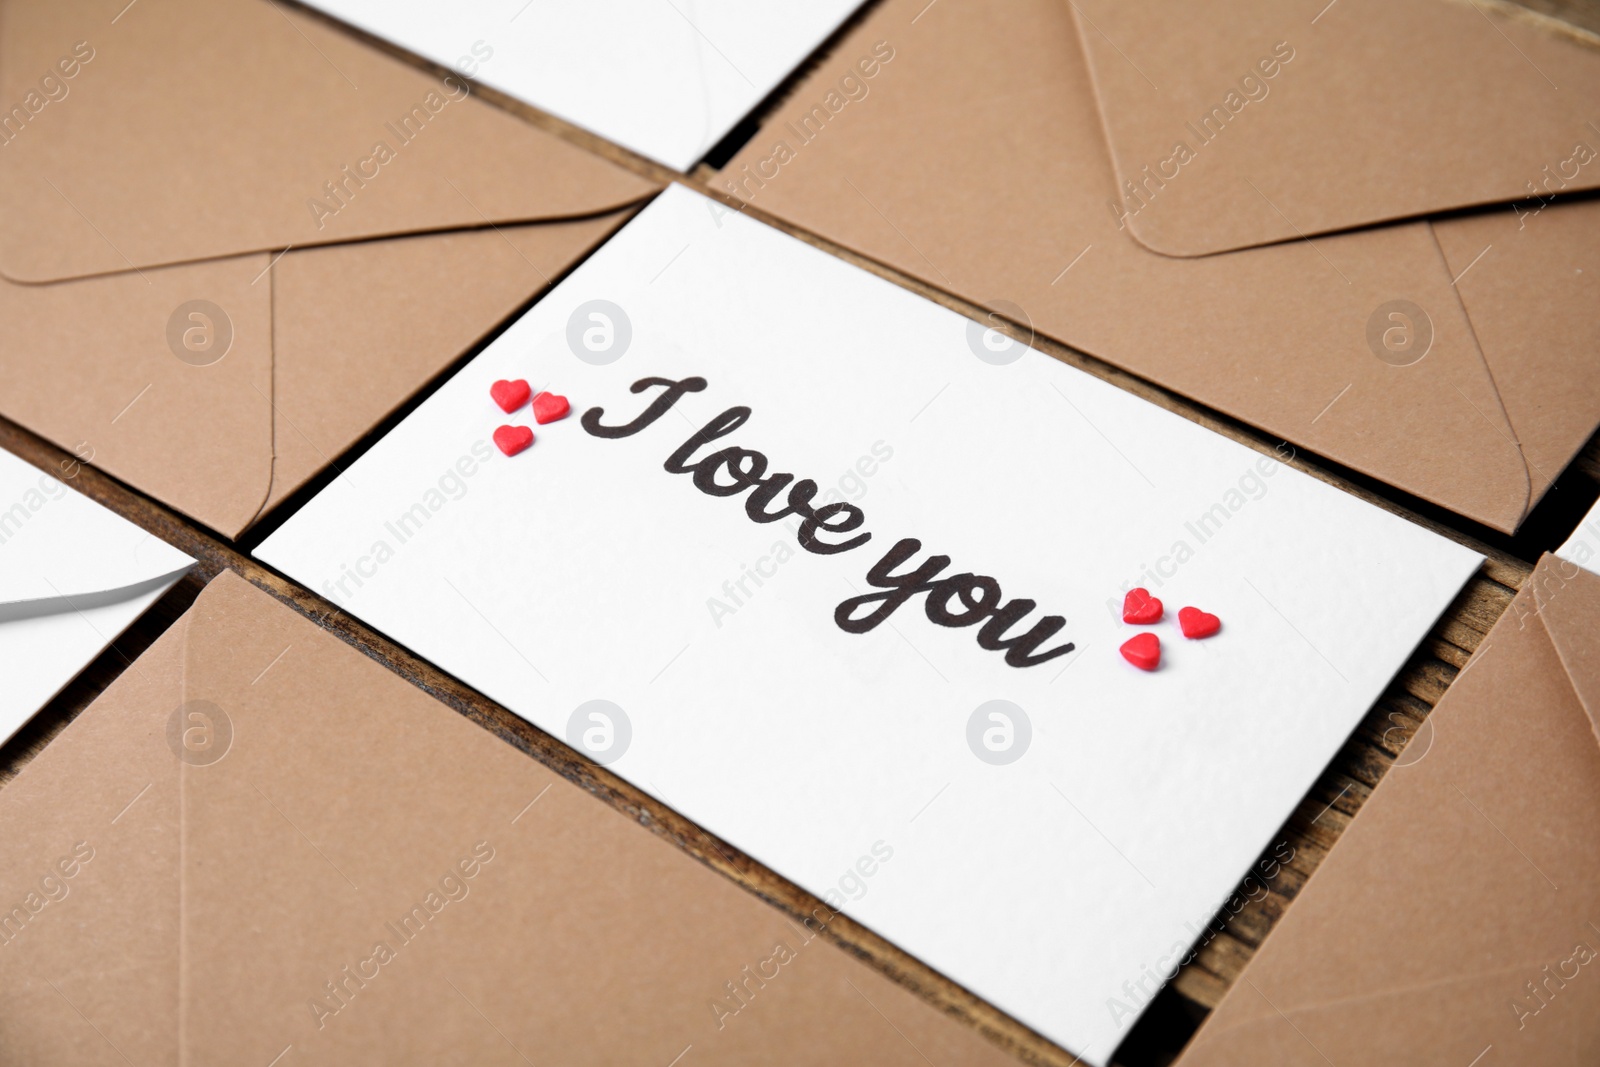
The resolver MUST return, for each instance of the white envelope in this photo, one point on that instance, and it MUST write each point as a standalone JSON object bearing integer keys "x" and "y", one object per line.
{"x": 73, "y": 575}
{"x": 1055, "y": 854}
{"x": 666, "y": 78}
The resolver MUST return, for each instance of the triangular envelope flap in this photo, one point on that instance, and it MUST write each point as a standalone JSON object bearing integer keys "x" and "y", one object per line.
{"x": 1289, "y": 338}
{"x": 161, "y": 377}
{"x": 57, "y": 544}
{"x": 1236, "y": 123}
{"x": 424, "y": 300}
{"x": 1569, "y": 604}
{"x": 199, "y": 128}
{"x": 1529, "y": 277}
{"x": 341, "y": 816}
{"x": 1471, "y": 868}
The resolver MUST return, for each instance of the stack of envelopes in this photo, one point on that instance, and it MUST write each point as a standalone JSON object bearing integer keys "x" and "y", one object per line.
{"x": 237, "y": 238}
{"x": 240, "y": 238}
{"x": 1333, "y": 225}
{"x": 259, "y": 846}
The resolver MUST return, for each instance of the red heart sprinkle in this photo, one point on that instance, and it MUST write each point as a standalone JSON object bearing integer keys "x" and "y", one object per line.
{"x": 510, "y": 395}
{"x": 1140, "y": 608}
{"x": 548, "y": 407}
{"x": 513, "y": 439}
{"x": 1196, "y": 623}
{"x": 1143, "y": 651}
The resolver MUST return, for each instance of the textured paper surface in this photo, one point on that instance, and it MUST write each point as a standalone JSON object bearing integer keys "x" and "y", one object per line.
{"x": 310, "y": 800}
{"x": 73, "y": 575}
{"x": 582, "y": 570}
{"x": 1244, "y": 122}
{"x": 976, "y": 162}
{"x": 1455, "y": 918}
{"x": 297, "y": 253}
{"x": 668, "y": 80}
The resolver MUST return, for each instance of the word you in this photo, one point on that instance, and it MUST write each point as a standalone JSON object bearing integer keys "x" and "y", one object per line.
{"x": 1141, "y": 991}
{"x": 851, "y": 485}
{"x": 53, "y": 889}
{"x": 1137, "y": 195}
{"x": 453, "y": 887}
{"x": 340, "y": 190}
{"x": 849, "y": 88}
{"x": 53, "y": 88}
{"x": 956, "y": 600}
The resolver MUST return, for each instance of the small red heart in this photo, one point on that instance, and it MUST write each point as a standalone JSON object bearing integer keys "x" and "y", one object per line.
{"x": 548, "y": 407}
{"x": 1140, "y": 608}
{"x": 510, "y": 395}
{"x": 513, "y": 439}
{"x": 1196, "y": 623}
{"x": 1143, "y": 651}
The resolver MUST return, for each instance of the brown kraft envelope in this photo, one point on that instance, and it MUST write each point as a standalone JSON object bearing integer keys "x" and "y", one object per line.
{"x": 214, "y": 280}
{"x": 342, "y": 870}
{"x": 973, "y": 158}
{"x": 1457, "y": 920}
{"x": 1244, "y": 122}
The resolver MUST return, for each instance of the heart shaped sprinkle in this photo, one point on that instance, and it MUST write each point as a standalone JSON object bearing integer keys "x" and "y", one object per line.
{"x": 548, "y": 407}
{"x": 513, "y": 439}
{"x": 510, "y": 395}
{"x": 1196, "y": 623}
{"x": 1143, "y": 651}
{"x": 1140, "y": 608}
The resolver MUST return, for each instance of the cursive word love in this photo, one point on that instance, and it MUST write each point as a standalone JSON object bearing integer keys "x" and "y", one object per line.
{"x": 744, "y": 469}
{"x": 956, "y": 600}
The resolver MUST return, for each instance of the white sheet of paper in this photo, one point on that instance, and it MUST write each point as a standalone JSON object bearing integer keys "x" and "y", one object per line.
{"x": 1583, "y": 546}
{"x": 666, "y": 78}
{"x": 73, "y": 575}
{"x": 580, "y": 569}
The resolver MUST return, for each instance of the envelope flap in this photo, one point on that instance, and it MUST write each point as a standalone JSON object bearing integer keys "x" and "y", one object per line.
{"x": 163, "y": 378}
{"x": 1569, "y": 603}
{"x": 57, "y": 544}
{"x": 1294, "y": 339}
{"x": 91, "y": 828}
{"x": 1469, "y": 878}
{"x": 1529, "y": 277}
{"x": 189, "y": 129}
{"x": 1236, "y": 123}
{"x": 425, "y": 300}
{"x": 402, "y": 877}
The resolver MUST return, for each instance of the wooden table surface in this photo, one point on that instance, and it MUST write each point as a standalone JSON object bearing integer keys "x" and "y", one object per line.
{"x": 1237, "y": 930}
